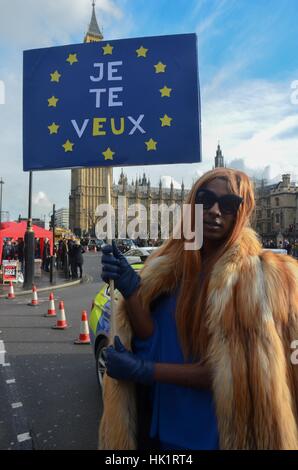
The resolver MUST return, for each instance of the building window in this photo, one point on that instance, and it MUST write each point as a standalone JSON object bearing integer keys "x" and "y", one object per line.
{"x": 277, "y": 218}
{"x": 277, "y": 201}
{"x": 268, "y": 213}
{"x": 268, "y": 228}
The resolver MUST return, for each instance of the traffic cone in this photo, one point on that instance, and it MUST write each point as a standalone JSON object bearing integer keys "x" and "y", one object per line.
{"x": 34, "y": 301}
{"x": 11, "y": 294}
{"x": 61, "y": 320}
{"x": 51, "y": 309}
{"x": 84, "y": 337}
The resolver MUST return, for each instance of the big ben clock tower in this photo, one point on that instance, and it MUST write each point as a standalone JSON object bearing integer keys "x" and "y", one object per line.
{"x": 88, "y": 185}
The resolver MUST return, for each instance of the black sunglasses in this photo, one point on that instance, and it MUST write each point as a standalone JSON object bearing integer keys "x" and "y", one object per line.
{"x": 228, "y": 204}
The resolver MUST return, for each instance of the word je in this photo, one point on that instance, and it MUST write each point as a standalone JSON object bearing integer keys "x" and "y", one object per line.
{"x": 113, "y": 92}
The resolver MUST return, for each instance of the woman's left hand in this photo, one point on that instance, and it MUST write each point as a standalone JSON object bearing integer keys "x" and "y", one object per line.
{"x": 124, "y": 365}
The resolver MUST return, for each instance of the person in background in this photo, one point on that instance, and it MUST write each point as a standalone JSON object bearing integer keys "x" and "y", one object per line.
{"x": 77, "y": 259}
{"x": 202, "y": 343}
{"x": 70, "y": 245}
{"x": 46, "y": 257}
{"x": 8, "y": 251}
{"x": 287, "y": 246}
{"x": 37, "y": 249}
{"x": 20, "y": 253}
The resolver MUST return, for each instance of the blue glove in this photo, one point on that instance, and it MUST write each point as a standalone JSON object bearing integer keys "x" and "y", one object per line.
{"x": 124, "y": 365}
{"x": 115, "y": 266}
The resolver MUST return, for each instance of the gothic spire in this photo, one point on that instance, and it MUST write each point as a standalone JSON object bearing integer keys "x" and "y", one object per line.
{"x": 94, "y": 34}
{"x": 219, "y": 159}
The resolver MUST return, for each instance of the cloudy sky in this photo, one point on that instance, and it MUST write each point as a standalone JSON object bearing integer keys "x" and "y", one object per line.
{"x": 247, "y": 59}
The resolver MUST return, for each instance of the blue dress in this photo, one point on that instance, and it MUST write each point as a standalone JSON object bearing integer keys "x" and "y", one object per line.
{"x": 183, "y": 417}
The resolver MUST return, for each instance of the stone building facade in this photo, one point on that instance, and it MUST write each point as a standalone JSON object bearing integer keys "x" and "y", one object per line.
{"x": 276, "y": 214}
{"x": 139, "y": 191}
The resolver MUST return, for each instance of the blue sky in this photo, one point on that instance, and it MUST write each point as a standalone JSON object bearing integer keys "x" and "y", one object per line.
{"x": 248, "y": 58}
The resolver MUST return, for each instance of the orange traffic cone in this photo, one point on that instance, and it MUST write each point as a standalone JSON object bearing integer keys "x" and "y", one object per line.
{"x": 34, "y": 301}
{"x": 61, "y": 320}
{"x": 84, "y": 337}
{"x": 51, "y": 309}
{"x": 11, "y": 291}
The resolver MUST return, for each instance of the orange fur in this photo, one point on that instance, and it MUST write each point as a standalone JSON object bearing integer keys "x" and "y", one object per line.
{"x": 242, "y": 319}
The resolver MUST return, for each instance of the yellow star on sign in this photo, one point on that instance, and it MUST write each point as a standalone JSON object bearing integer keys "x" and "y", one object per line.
{"x": 108, "y": 49}
{"x": 53, "y": 128}
{"x": 55, "y": 77}
{"x": 142, "y": 52}
{"x": 166, "y": 121}
{"x": 151, "y": 144}
{"x": 165, "y": 91}
{"x": 160, "y": 67}
{"x": 108, "y": 154}
{"x": 68, "y": 146}
{"x": 53, "y": 102}
{"x": 72, "y": 58}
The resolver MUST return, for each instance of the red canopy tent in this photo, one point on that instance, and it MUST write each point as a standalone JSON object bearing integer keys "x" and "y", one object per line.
{"x": 17, "y": 230}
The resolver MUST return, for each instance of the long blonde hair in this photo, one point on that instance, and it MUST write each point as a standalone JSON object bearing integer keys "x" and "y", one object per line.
{"x": 192, "y": 291}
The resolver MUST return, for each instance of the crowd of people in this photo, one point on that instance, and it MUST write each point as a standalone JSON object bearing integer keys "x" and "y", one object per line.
{"x": 68, "y": 255}
{"x": 69, "y": 252}
{"x": 290, "y": 247}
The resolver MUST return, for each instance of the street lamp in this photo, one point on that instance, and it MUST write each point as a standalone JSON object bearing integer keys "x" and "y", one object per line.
{"x": 1, "y": 183}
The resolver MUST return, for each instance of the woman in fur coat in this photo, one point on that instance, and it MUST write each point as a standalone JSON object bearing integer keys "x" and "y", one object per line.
{"x": 205, "y": 336}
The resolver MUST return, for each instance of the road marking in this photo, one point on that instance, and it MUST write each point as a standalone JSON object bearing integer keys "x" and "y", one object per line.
{"x": 24, "y": 437}
{"x": 17, "y": 405}
{"x": 2, "y": 352}
{"x": 19, "y": 421}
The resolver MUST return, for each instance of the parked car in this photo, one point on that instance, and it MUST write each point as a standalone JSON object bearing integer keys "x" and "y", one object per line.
{"x": 139, "y": 255}
{"x": 99, "y": 323}
{"x": 125, "y": 244}
{"x": 95, "y": 243}
{"x": 277, "y": 250}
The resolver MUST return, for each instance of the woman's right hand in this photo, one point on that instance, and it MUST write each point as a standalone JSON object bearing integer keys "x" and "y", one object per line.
{"x": 115, "y": 266}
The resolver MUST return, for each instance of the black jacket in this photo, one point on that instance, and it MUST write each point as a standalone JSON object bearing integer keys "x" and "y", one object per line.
{"x": 77, "y": 254}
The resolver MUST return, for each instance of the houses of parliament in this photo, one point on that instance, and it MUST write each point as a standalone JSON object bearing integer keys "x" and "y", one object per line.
{"x": 275, "y": 216}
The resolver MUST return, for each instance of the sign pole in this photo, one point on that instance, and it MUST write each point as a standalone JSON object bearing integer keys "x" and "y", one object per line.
{"x": 1, "y": 185}
{"x": 112, "y": 293}
{"x": 29, "y": 243}
{"x": 52, "y": 263}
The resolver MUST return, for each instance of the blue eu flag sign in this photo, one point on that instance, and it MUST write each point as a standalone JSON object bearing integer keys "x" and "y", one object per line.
{"x": 116, "y": 103}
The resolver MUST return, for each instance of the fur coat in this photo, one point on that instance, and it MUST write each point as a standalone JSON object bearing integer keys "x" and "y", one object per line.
{"x": 252, "y": 317}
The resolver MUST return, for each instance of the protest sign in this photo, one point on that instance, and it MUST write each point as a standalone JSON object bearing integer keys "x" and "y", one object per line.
{"x": 9, "y": 271}
{"x": 113, "y": 103}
